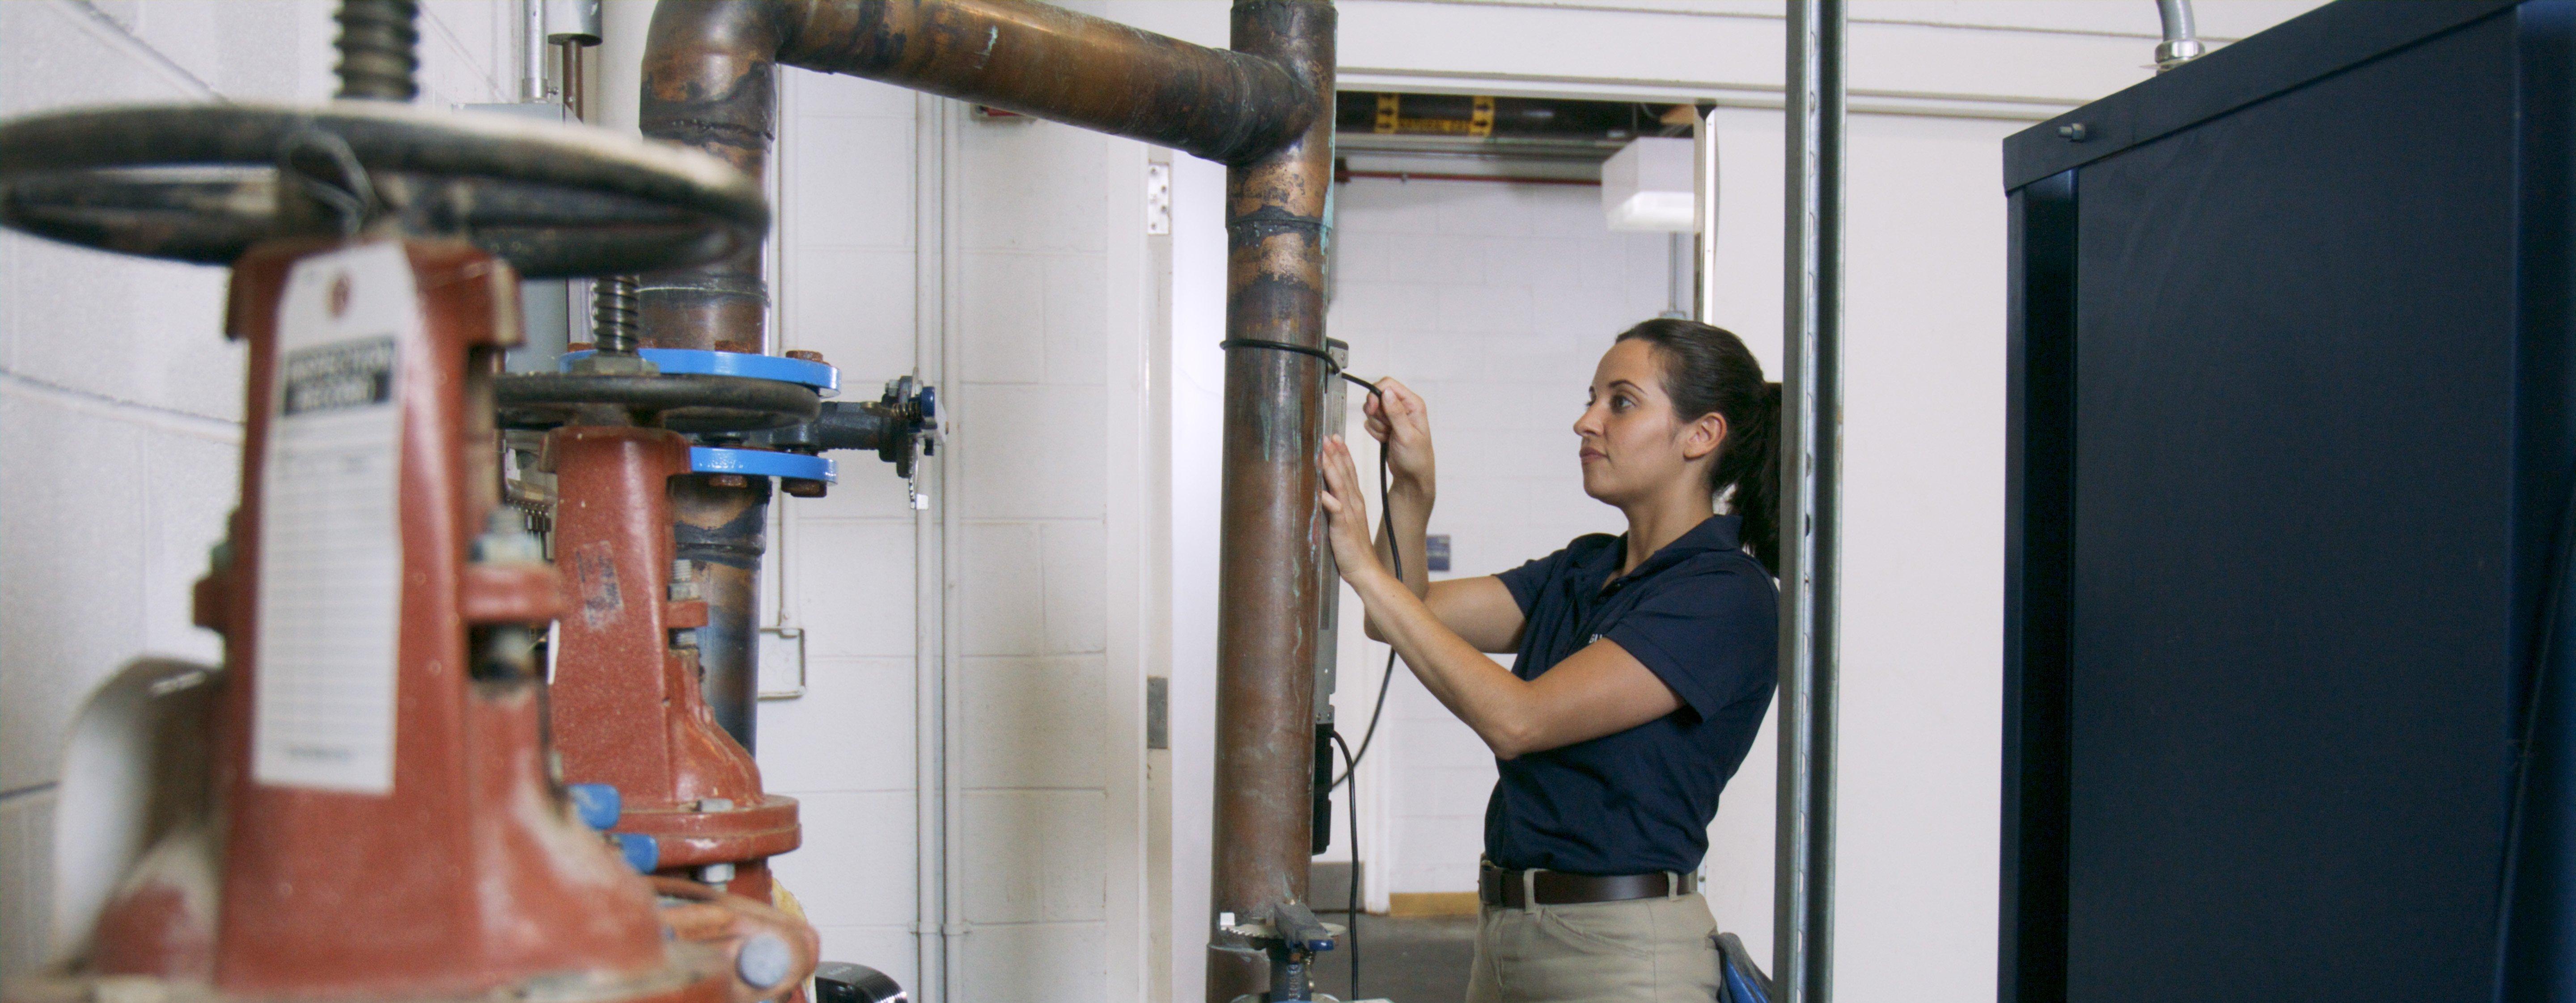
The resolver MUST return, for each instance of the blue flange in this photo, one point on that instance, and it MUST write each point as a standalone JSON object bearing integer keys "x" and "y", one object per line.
{"x": 763, "y": 463}
{"x": 825, "y": 379}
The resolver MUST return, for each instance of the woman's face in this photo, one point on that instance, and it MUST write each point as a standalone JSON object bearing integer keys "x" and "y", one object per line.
{"x": 1633, "y": 444}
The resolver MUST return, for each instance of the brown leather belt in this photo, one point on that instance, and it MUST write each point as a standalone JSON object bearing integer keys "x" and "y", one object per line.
{"x": 1496, "y": 886}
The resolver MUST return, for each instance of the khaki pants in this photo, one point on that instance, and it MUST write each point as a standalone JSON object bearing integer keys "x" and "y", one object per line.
{"x": 1637, "y": 951}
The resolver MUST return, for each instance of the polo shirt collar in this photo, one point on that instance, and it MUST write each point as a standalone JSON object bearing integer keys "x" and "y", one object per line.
{"x": 1715, "y": 533}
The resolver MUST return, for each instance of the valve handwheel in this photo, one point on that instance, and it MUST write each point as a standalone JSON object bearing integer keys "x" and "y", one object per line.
{"x": 202, "y": 183}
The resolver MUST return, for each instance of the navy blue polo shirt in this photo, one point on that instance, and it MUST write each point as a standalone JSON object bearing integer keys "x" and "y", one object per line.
{"x": 1701, "y": 614}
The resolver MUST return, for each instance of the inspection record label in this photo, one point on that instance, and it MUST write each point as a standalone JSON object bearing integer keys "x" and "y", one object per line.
{"x": 330, "y": 540}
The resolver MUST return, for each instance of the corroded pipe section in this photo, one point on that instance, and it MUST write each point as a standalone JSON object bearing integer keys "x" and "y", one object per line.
{"x": 722, "y": 527}
{"x": 1268, "y": 606}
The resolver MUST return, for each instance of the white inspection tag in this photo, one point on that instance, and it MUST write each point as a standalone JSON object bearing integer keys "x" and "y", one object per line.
{"x": 330, "y": 551}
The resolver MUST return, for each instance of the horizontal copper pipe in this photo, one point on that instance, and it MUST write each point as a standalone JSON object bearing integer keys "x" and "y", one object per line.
{"x": 710, "y": 69}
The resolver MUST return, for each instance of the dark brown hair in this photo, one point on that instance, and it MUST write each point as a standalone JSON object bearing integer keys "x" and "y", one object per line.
{"x": 1707, "y": 370}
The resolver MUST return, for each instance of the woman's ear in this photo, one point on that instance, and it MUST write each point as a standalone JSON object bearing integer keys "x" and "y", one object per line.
{"x": 1703, "y": 436}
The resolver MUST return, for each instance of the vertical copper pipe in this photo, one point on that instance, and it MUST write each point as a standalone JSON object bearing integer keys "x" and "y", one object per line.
{"x": 1268, "y": 605}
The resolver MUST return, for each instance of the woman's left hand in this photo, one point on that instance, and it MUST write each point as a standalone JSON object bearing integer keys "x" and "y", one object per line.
{"x": 1346, "y": 513}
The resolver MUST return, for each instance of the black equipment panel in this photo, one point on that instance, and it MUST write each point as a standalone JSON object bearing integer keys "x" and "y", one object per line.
{"x": 2290, "y": 456}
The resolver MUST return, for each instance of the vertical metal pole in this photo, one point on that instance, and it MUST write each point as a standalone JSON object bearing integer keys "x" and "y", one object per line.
{"x": 1803, "y": 885}
{"x": 532, "y": 50}
{"x": 1703, "y": 265}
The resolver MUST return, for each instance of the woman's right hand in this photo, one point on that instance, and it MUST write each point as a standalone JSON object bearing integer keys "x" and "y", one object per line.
{"x": 1401, "y": 423}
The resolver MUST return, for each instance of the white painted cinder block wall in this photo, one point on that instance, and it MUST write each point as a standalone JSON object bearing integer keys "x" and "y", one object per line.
{"x": 1036, "y": 736}
{"x": 120, "y": 402}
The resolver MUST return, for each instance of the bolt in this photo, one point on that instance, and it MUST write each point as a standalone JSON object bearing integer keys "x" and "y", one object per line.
{"x": 799, "y": 353}
{"x": 716, "y": 874}
{"x": 684, "y": 580}
{"x": 764, "y": 961}
{"x": 2073, "y": 132}
{"x": 684, "y": 638}
{"x": 801, "y": 488}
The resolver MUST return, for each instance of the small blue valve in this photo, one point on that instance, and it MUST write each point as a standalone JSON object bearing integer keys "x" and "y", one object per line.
{"x": 642, "y": 852}
{"x": 597, "y": 805}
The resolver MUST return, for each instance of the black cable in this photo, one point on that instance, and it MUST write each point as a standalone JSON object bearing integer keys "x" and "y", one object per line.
{"x": 1385, "y": 679}
{"x": 1351, "y": 909}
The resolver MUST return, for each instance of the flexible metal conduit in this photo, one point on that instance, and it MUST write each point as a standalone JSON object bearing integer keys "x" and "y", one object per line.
{"x": 2182, "y": 37}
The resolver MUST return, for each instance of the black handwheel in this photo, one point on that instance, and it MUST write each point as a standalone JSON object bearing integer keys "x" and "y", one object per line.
{"x": 202, "y": 182}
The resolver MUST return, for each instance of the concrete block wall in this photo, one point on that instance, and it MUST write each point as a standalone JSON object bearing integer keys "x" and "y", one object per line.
{"x": 1024, "y": 418}
{"x": 120, "y": 401}
{"x": 1033, "y": 250}
{"x": 842, "y": 566}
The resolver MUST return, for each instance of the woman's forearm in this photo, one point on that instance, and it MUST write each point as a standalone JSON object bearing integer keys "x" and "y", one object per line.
{"x": 1495, "y": 703}
{"x": 1408, "y": 519}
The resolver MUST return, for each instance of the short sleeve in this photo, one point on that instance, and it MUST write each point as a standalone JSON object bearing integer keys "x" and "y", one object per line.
{"x": 1712, "y": 635}
{"x": 1526, "y": 581}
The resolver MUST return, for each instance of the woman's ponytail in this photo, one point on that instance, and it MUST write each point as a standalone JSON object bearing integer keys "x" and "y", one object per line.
{"x": 1708, "y": 370}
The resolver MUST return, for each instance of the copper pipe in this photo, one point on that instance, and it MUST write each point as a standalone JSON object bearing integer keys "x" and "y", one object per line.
{"x": 1268, "y": 607}
{"x": 709, "y": 82}
{"x": 1265, "y": 107}
{"x": 722, "y": 523}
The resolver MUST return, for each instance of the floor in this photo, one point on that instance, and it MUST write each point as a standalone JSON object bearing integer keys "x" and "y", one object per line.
{"x": 1407, "y": 960}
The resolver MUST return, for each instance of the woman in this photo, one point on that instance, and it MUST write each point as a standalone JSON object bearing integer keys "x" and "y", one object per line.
{"x": 1645, "y": 662}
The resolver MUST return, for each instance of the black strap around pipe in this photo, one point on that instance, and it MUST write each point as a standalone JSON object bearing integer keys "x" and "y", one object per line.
{"x": 1330, "y": 365}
